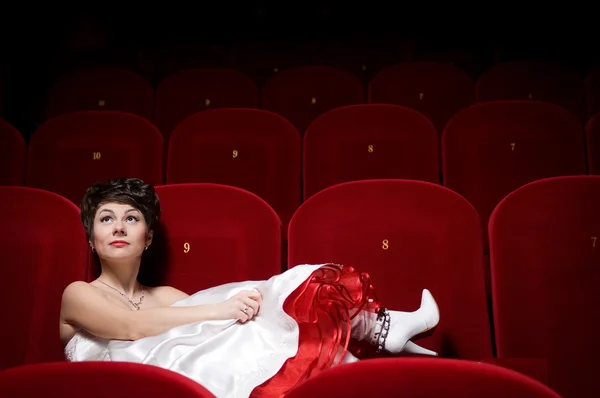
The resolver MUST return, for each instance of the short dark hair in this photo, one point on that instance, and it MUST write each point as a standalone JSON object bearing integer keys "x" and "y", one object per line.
{"x": 131, "y": 191}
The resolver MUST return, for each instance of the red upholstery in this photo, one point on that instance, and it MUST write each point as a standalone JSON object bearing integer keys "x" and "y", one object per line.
{"x": 12, "y": 155}
{"x": 536, "y": 368}
{"x": 303, "y": 93}
{"x": 436, "y": 90}
{"x": 43, "y": 249}
{"x": 592, "y": 129}
{"x": 213, "y": 234}
{"x": 252, "y": 149}
{"x": 534, "y": 80}
{"x": 70, "y": 152}
{"x": 545, "y": 251}
{"x": 422, "y": 378}
{"x": 97, "y": 380}
{"x": 101, "y": 89}
{"x": 592, "y": 91}
{"x": 490, "y": 149}
{"x": 184, "y": 93}
{"x": 361, "y": 142}
{"x": 408, "y": 235}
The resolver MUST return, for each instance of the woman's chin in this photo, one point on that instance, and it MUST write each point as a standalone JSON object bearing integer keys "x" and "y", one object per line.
{"x": 120, "y": 255}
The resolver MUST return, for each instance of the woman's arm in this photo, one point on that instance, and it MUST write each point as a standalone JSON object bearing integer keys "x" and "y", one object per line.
{"x": 85, "y": 306}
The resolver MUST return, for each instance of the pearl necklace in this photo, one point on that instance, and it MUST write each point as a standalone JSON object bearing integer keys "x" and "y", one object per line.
{"x": 136, "y": 305}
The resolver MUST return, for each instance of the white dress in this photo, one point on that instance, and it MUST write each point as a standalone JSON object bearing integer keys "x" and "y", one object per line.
{"x": 228, "y": 358}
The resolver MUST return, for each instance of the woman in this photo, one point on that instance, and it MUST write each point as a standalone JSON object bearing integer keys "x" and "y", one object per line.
{"x": 254, "y": 338}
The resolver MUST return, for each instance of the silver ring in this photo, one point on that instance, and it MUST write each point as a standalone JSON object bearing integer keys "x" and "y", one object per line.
{"x": 245, "y": 310}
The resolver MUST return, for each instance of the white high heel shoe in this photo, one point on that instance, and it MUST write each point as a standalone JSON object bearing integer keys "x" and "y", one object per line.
{"x": 394, "y": 329}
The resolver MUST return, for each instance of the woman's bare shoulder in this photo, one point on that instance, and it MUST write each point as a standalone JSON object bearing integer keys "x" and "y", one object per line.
{"x": 76, "y": 288}
{"x": 167, "y": 294}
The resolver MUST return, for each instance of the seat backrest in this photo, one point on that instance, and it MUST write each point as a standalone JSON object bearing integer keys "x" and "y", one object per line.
{"x": 43, "y": 248}
{"x": 193, "y": 90}
{"x": 101, "y": 89}
{"x": 544, "y": 254}
{"x": 262, "y": 60}
{"x": 492, "y": 148}
{"x": 212, "y": 234}
{"x": 592, "y": 131}
{"x": 70, "y": 152}
{"x": 534, "y": 80}
{"x": 174, "y": 57}
{"x": 13, "y": 150}
{"x": 420, "y": 377}
{"x": 435, "y": 89}
{"x": 592, "y": 92}
{"x": 2, "y": 92}
{"x": 252, "y": 149}
{"x": 365, "y": 58}
{"x": 408, "y": 235}
{"x": 361, "y": 142}
{"x": 473, "y": 62}
{"x": 301, "y": 94}
{"x": 96, "y": 380}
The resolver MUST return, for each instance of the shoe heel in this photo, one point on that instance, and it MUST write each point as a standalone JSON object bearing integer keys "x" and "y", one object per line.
{"x": 412, "y": 348}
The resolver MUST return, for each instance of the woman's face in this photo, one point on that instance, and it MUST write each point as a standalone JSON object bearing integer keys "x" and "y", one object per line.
{"x": 120, "y": 232}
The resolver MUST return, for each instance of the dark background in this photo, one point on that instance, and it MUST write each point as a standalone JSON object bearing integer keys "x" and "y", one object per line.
{"x": 41, "y": 42}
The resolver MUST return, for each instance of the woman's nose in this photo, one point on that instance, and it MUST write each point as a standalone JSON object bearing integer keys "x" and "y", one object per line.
{"x": 119, "y": 228}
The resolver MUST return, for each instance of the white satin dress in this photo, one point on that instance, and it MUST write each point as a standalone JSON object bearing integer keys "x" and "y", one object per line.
{"x": 228, "y": 358}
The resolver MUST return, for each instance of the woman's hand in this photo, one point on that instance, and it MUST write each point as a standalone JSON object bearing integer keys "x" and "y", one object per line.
{"x": 243, "y": 306}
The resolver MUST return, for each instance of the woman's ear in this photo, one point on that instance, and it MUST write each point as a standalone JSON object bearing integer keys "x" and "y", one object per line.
{"x": 149, "y": 237}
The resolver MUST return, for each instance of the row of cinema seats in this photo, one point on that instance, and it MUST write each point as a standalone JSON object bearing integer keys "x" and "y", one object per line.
{"x": 383, "y": 377}
{"x": 301, "y": 94}
{"x": 485, "y": 151}
{"x": 408, "y": 235}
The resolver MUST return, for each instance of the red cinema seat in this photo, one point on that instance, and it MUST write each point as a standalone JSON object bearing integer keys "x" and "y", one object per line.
{"x": 101, "y": 89}
{"x": 212, "y": 234}
{"x": 303, "y": 93}
{"x": 252, "y": 149}
{"x": 364, "y": 58}
{"x": 408, "y": 235}
{"x": 262, "y": 60}
{"x": 43, "y": 249}
{"x": 544, "y": 253}
{"x": 362, "y": 142}
{"x": 592, "y": 92}
{"x": 592, "y": 130}
{"x": 13, "y": 151}
{"x": 534, "y": 80}
{"x": 2, "y": 101}
{"x": 193, "y": 90}
{"x": 118, "y": 380}
{"x": 70, "y": 152}
{"x": 492, "y": 148}
{"x": 422, "y": 378}
{"x": 436, "y": 90}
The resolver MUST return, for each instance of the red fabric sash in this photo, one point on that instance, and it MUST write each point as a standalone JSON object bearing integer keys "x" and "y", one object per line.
{"x": 323, "y": 307}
